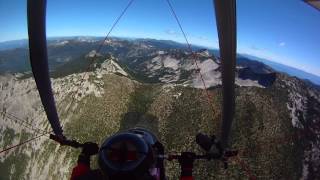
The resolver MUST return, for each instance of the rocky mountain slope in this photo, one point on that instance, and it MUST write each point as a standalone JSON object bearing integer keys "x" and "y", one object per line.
{"x": 276, "y": 127}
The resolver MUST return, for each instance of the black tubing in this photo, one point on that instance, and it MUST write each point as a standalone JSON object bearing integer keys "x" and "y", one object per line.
{"x": 225, "y": 11}
{"x": 36, "y": 10}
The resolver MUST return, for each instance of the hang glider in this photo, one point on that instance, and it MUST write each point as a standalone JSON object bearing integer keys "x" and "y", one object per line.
{"x": 313, "y": 3}
{"x": 225, "y": 12}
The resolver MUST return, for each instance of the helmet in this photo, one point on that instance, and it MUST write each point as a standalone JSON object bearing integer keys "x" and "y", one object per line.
{"x": 128, "y": 154}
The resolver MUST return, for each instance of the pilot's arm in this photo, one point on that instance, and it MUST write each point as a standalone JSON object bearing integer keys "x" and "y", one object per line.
{"x": 83, "y": 166}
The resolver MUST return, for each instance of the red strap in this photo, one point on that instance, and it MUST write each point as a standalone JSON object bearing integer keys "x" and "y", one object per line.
{"x": 79, "y": 170}
{"x": 186, "y": 178}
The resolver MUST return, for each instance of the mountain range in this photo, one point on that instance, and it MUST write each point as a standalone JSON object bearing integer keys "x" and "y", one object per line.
{"x": 156, "y": 85}
{"x": 20, "y": 63}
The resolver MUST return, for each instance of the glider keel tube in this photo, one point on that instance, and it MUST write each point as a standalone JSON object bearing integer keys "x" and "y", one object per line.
{"x": 225, "y": 11}
{"x": 36, "y": 10}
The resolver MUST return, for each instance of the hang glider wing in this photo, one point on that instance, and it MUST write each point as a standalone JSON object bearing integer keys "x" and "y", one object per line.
{"x": 314, "y": 3}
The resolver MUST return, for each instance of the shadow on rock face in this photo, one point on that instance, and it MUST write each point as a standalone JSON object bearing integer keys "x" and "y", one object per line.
{"x": 264, "y": 79}
{"x": 139, "y": 120}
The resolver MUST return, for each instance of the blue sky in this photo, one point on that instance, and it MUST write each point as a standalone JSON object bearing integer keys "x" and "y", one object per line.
{"x": 286, "y": 31}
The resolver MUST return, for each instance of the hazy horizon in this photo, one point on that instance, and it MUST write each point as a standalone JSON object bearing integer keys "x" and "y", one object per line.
{"x": 209, "y": 48}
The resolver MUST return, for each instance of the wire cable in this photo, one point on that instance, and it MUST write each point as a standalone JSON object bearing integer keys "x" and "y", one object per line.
{"x": 99, "y": 49}
{"x": 195, "y": 57}
{"x": 22, "y": 143}
{"x": 23, "y": 123}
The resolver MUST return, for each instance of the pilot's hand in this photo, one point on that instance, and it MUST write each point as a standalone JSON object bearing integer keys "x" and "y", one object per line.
{"x": 90, "y": 148}
{"x": 187, "y": 159}
{"x": 186, "y": 162}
